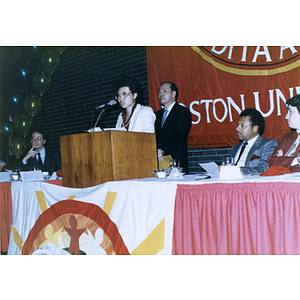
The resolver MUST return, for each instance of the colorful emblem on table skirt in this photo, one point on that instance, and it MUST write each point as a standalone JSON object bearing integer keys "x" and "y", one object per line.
{"x": 78, "y": 228}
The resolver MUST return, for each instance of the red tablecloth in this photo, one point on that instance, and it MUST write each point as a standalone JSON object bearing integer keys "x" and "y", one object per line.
{"x": 237, "y": 218}
{"x": 5, "y": 215}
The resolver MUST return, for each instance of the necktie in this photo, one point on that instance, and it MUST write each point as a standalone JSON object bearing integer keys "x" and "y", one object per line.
{"x": 39, "y": 160}
{"x": 164, "y": 117}
{"x": 241, "y": 152}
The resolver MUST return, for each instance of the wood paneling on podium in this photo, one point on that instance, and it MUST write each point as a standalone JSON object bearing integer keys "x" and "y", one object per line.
{"x": 89, "y": 159}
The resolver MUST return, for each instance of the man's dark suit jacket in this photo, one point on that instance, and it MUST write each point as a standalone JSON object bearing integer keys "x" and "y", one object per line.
{"x": 51, "y": 164}
{"x": 172, "y": 138}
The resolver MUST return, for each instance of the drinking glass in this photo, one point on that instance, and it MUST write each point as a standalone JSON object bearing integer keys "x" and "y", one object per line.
{"x": 171, "y": 163}
{"x": 176, "y": 162}
{"x": 227, "y": 161}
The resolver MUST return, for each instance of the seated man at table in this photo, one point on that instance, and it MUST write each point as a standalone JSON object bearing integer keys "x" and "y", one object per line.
{"x": 253, "y": 151}
{"x": 39, "y": 157}
{"x": 289, "y": 147}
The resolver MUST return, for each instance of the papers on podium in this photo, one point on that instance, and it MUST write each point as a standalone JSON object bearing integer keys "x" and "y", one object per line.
{"x": 114, "y": 128}
{"x": 97, "y": 129}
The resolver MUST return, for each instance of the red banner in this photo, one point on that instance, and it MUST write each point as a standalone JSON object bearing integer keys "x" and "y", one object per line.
{"x": 217, "y": 82}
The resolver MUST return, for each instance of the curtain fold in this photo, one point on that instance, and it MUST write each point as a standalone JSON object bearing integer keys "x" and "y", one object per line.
{"x": 237, "y": 218}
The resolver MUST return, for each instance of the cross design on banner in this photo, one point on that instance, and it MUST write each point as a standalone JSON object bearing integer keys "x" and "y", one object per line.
{"x": 69, "y": 223}
{"x": 75, "y": 234}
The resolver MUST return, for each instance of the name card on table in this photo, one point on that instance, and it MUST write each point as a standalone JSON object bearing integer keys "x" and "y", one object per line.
{"x": 175, "y": 173}
{"x": 231, "y": 172}
{"x": 32, "y": 175}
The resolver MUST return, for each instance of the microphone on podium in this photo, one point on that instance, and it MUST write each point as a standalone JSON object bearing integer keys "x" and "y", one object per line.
{"x": 110, "y": 103}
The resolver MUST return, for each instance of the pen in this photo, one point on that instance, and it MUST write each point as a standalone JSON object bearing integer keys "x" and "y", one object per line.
{"x": 207, "y": 177}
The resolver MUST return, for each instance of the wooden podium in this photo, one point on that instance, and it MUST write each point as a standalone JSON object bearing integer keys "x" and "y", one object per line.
{"x": 89, "y": 159}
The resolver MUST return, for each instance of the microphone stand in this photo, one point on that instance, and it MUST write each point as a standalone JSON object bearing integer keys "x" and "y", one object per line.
{"x": 100, "y": 114}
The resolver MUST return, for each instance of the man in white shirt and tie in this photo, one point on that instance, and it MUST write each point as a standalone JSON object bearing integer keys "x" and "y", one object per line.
{"x": 253, "y": 151}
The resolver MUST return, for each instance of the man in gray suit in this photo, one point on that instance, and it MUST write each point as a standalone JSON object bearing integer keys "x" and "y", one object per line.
{"x": 253, "y": 151}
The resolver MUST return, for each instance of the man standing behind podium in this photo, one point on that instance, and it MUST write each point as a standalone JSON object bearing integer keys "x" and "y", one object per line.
{"x": 253, "y": 151}
{"x": 172, "y": 125}
{"x": 38, "y": 157}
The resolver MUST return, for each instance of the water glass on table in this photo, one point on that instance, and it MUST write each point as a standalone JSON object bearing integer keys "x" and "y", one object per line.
{"x": 227, "y": 161}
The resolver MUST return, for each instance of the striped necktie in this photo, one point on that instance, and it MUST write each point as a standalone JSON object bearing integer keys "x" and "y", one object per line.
{"x": 164, "y": 117}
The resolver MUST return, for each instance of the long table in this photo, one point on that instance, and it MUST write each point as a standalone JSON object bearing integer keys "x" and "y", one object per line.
{"x": 254, "y": 215}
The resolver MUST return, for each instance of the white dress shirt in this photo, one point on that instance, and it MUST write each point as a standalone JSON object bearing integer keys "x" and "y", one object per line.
{"x": 142, "y": 119}
{"x": 170, "y": 107}
{"x": 242, "y": 160}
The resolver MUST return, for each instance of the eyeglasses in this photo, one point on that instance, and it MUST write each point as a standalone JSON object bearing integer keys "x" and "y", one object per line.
{"x": 164, "y": 91}
{"x": 37, "y": 139}
{"x": 122, "y": 95}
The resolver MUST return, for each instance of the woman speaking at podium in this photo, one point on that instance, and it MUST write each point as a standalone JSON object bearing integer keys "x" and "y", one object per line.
{"x": 134, "y": 117}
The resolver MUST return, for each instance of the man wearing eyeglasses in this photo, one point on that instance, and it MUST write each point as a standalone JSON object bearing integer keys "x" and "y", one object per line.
{"x": 172, "y": 126}
{"x": 38, "y": 157}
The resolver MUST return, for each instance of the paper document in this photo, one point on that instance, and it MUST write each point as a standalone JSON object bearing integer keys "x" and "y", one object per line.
{"x": 165, "y": 164}
{"x": 32, "y": 175}
{"x": 117, "y": 129}
{"x": 96, "y": 129}
{"x": 210, "y": 168}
